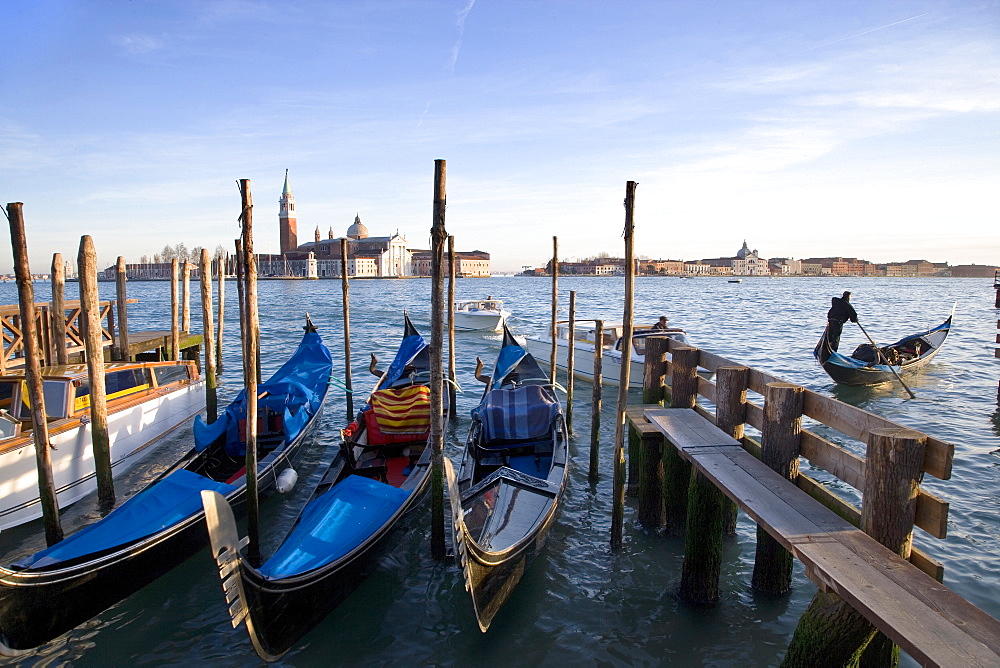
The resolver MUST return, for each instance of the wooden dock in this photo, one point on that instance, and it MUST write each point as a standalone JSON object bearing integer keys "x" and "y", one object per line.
{"x": 893, "y": 586}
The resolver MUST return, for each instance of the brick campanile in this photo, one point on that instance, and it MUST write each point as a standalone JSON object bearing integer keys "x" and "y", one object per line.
{"x": 286, "y": 219}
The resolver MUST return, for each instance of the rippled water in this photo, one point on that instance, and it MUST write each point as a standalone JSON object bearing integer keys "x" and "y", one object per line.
{"x": 579, "y": 602}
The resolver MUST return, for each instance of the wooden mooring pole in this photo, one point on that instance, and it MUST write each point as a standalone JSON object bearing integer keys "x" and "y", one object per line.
{"x": 570, "y": 360}
{"x": 595, "y": 403}
{"x": 450, "y": 305}
{"x": 208, "y": 331}
{"x": 649, "y": 450}
{"x": 222, "y": 260}
{"x": 439, "y": 239}
{"x": 90, "y": 322}
{"x": 241, "y": 302}
{"x": 33, "y": 374}
{"x": 831, "y": 631}
{"x": 175, "y": 334}
{"x": 186, "y": 319}
{"x": 730, "y": 417}
{"x": 554, "y": 355}
{"x": 618, "y": 504}
{"x": 250, "y": 363}
{"x": 345, "y": 291}
{"x": 58, "y": 312}
{"x": 780, "y": 436}
{"x": 121, "y": 292}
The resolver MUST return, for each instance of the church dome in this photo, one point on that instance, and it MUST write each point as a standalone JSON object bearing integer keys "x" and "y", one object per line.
{"x": 357, "y": 230}
{"x": 743, "y": 252}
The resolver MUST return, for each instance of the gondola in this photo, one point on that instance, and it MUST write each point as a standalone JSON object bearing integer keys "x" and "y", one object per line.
{"x": 511, "y": 479}
{"x": 870, "y": 365}
{"x": 375, "y": 480}
{"x": 50, "y": 592}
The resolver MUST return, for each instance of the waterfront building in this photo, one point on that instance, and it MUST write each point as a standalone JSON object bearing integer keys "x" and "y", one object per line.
{"x": 287, "y": 222}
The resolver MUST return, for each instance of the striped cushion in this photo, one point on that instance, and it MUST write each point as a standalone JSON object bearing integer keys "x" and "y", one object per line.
{"x": 402, "y": 411}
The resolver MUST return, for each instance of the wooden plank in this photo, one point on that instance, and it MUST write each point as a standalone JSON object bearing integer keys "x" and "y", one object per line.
{"x": 685, "y": 428}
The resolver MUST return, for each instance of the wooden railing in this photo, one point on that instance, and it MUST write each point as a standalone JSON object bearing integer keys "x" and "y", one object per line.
{"x": 13, "y": 341}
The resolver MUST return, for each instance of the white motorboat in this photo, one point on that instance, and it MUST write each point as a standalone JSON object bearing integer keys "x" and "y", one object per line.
{"x": 479, "y": 315}
{"x": 146, "y": 400}
{"x": 584, "y": 346}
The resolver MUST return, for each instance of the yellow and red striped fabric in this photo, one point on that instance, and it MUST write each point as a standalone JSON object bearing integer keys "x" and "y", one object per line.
{"x": 403, "y": 411}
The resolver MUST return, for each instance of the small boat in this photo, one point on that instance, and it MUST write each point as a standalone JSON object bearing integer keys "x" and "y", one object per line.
{"x": 511, "y": 479}
{"x": 869, "y": 365}
{"x": 735, "y": 280}
{"x": 146, "y": 401}
{"x": 479, "y": 315}
{"x": 584, "y": 349}
{"x": 372, "y": 484}
{"x": 48, "y": 593}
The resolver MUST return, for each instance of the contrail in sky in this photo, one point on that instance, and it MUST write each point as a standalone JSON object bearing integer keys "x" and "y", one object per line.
{"x": 864, "y": 32}
{"x": 462, "y": 14}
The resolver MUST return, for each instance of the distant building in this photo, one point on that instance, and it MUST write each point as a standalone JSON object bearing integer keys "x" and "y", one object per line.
{"x": 287, "y": 223}
{"x": 974, "y": 271}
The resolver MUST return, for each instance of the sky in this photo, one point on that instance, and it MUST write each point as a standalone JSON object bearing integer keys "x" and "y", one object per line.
{"x": 858, "y": 129}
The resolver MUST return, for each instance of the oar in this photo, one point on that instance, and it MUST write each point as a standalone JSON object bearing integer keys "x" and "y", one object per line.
{"x": 905, "y": 386}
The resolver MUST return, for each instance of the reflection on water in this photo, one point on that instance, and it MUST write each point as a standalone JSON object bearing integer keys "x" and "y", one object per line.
{"x": 579, "y": 602}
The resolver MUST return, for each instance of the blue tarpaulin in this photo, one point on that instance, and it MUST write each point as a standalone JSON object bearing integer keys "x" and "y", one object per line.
{"x": 166, "y": 503}
{"x": 409, "y": 348}
{"x": 334, "y": 524}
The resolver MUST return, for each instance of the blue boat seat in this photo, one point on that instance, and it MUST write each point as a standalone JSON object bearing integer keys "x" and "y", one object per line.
{"x": 517, "y": 415}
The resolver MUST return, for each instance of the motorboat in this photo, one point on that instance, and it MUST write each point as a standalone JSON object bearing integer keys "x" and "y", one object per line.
{"x": 479, "y": 315}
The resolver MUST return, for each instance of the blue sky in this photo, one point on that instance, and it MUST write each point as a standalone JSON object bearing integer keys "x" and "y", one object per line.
{"x": 864, "y": 129}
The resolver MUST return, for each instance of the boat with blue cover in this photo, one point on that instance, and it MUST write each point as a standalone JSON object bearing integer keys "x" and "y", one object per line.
{"x": 45, "y": 594}
{"x": 510, "y": 483}
{"x": 371, "y": 486}
{"x": 872, "y": 365}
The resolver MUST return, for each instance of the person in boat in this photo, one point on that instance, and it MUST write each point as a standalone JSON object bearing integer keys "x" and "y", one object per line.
{"x": 661, "y": 323}
{"x": 840, "y": 312}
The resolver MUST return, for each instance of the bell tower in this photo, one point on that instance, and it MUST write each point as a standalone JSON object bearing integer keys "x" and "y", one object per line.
{"x": 286, "y": 219}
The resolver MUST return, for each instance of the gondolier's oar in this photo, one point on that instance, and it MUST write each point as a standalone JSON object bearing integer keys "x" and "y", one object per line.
{"x": 894, "y": 373}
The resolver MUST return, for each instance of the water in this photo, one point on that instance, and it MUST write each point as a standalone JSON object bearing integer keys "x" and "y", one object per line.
{"x": 579, "y": 602}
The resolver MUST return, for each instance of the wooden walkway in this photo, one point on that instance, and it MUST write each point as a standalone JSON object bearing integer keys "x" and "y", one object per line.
{"x": 930, "y": 622}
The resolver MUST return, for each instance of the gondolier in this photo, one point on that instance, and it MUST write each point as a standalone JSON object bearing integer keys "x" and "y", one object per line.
{"x": 840, "y": 312}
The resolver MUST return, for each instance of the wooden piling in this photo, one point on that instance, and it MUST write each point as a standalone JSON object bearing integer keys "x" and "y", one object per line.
{"x": 186, "y": 320}
{"x": 650, "y": 511}
{"x": 618, "y": 503}
{"x": 676, "y": 470}
{"x": 595, "y": 403}
{"x": 222, "y": 260}
{"x": 175, "y": 334}
{"x": 570, "y": 360}
{"x": 730, "y": 415}
{"x": 121, "y": 293}
{"x": 208, "y": 332}
{"x": 780, "y": 436}
{"x": 345, "y": 291}
{"x": 90, "y": 321}
{"x": 58, "y": 311}
{"x": 33, "y": 374}
{"x": 252, "y": 335}
{"x": 241, "y": 302}
{"x": 554, "y": 355}
{"x": 439, "y": 237}
{"x": 452, "y": 388}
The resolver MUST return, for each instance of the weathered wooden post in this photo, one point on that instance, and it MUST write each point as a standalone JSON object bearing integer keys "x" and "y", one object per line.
{"x": 241, "y": 301}
{"x": 553, "y": 331}
{"x": 345, "y": 291}
{"x": 211, "y": 396}
{"x": 90, "y": 322}
{"x": 33, "y": 374}
{"x": 122, "y": 298}
{"x": 595, "y": 403}
{"x": 676, "y": 470}
{"x": 570, "y": 360}
{"x": 831, "y": 632}
{"x": 708, "y": 507}
{"x": 730, "y": 416}
{"x": 58, "y": 312}
{"x": 439, "y": 238}
{"x": 252, "y": 334}
{"x": 222, "y": 260}
{"x": 175, "y": 335}
{"x": 780, "y": 436}
{"x": 186, "y": 321}
{"x": 649, "y": 455}
{"x": 618, "y": 486}
{"x": 452, "y": 386}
